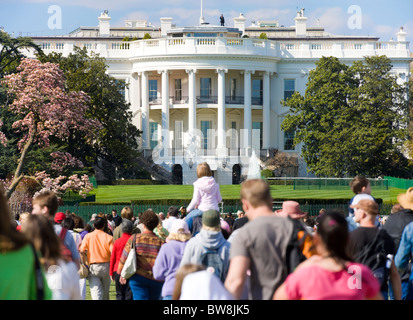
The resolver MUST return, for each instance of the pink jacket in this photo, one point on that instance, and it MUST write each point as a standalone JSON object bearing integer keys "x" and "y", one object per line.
{"x": 206, "y": 195}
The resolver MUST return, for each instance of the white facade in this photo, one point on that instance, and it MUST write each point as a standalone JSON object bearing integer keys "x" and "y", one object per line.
{"x": 208, "y": 94}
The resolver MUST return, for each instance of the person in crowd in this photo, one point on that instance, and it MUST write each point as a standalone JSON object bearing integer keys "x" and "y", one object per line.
{"x": 123, "y": 291}
{"x": 171, "y": 216}
{"x": 361, "y": 187}
{"x": 20, "y": 282}
{"x": 117, "y": 219}
{"x": 182, "y": 212}
{"x": 147, "y": 246}
{"x": 98, "y": 247}
{"x": 81, "y": 229}
{"x": 404, "y": 256}
{"x": 395, "y": 225}
{"x": 329, "y": 274}
{"x": 22, "y": 219}
{"x": 213, "y": 288}
{"x": 258, "y": 248}
{"x": 161, "y": 216}
{"x": 169, "y": 258}
{"x": 230, "y": 220}
{"x": 62, "y": 276}
{"x": 46, "y": 203}
{"x": 111, "y": 223}
{"x": 126, "y": 213}
{"x": 160, "y": 231}
{"x": 106, "y": 227}
{"x": 365, "y": 215}
{"x": 292, "y": 210}
{"x": 180, "y": 275}
{"x": 206, "y": 194}
{"x": 209, "y": 246}
{"x": 92, "y": 220}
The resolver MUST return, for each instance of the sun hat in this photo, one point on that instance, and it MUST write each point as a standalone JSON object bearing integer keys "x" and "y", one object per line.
{"x": 179, "y": 226}
{"x": 59, "y": 217}
{"x": 370, "y": 206}
{"x": 292, "y": 209}
{"x": 211, "y": 218}
{"x": 406, "y": 199}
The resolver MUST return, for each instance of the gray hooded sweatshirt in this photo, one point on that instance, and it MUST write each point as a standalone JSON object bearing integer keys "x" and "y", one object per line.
{"x": 204, "y": 240}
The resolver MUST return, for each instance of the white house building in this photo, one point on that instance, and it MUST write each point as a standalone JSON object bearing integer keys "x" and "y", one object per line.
{"x": 213, "y": 93}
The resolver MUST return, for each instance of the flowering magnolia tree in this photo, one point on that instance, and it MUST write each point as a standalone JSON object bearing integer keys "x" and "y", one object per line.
{"x": 47, "y": 109}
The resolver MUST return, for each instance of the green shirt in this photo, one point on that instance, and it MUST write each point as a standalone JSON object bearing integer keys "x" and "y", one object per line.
{"x": 17, "y": 276}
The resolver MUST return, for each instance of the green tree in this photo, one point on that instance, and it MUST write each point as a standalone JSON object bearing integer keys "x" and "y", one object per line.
{"x": 351, "y": 120}
{"x": 10, "y": 53}
{"x": 117, "y": 147}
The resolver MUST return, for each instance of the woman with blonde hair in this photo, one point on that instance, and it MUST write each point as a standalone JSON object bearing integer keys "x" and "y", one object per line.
{"x": 169, "y": 258}
{"x": 206, "y": 194}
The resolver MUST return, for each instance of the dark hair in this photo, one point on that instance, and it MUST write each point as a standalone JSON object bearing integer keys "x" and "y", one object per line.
{"x": 149, "y": 219}
{"x": 68, "y": 223}
{"x": 78, "y": 222}
{"x": 333, "y": 231}
{"x": 173, "y": 211}
{"x": 358, "y": 183}
{"x": 99, "y": 223}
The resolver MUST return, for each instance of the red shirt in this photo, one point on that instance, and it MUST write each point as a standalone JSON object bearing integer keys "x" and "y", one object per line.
{"x": 117, "y": 252}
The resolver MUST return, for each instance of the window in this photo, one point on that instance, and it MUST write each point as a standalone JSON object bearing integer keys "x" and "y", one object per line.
{"x": 205, "y": 126}
{"x": 289, "y": 140}
{"x": 178, "y": 90}
{"x": 205, "y": 87}
{"x": 289, "y": 88}
{"x": 122, "y": 85}
{"x": 179, "y": 128}
{"x": 153, "y": 134}
{"x": 256, "y": 92}
{"x": 234, "y": 139}
{"x": 257, "y": 126}
{"x": 233, "y": 90}
{"x": 153, "y": 90}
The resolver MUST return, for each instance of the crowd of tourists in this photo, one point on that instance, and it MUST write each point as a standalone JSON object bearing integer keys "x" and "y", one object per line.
{"x": 197, "y": 253}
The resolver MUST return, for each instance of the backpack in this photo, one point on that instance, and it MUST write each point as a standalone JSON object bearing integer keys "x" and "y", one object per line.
{"x": 65, "y": 251}
{"x": 213, "y": 263}
{"x": 297, "y": 250}
{"x": 374, "y": 256}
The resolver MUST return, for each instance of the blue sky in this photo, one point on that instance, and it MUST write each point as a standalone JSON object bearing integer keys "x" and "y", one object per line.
{"x": 378, "y": 18}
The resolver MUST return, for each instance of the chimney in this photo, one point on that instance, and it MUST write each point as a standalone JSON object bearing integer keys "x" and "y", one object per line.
{"x": 401, "y": 35}
{"x": 104, "y": 24}
{"x": 240, "y": 22}
{"x": 166, "y": 25}
{"x": 300, "y": 24}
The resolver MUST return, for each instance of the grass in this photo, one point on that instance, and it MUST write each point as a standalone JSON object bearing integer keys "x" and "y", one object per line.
{"x": 127, "y": 193}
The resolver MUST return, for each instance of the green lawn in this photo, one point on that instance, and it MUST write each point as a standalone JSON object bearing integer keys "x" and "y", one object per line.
{"x": 127, "y": 193}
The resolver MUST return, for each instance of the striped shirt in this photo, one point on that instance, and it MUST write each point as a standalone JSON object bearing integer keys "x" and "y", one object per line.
{"x": 147, "y": 248}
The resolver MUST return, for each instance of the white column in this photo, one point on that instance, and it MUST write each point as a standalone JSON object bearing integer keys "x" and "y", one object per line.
{"x": 165, "y": 112}
{"x": 221, "y": 147}
{"x": 191, "y": 101}
{"x": 266, "y": 111}
{"x": 134, "y": 99}
{"x": 145, "y": 110}
{"x": 247, "y": 110}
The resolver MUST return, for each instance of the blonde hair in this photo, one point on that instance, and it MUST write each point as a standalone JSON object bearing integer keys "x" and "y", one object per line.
{"x": 182, "y": 237}
{"x": 203, "y": 170}
{"x": 127, "y": 213}
{"x": 256, "y": 192}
